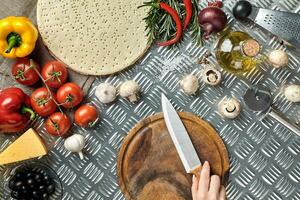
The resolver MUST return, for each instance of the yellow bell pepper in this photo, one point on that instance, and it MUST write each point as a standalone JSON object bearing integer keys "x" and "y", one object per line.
{"x": 17, "y": 37}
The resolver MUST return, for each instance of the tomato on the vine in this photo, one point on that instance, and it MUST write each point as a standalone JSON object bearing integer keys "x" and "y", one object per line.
{"x": 69, "y": 95}
{"x": 86, "y": 115}
{"x": 24, "y": 72}
{"x": 42, "y": 102}
{"x": 58, "y": 124}
{"x": 55, "y": 74}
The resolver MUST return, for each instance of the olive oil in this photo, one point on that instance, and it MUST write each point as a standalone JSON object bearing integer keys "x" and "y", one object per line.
{"x": 237, "y": 52}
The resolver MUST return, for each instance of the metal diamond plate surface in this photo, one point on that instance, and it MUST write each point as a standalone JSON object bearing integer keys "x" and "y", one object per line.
{"x": 264, "y": 155}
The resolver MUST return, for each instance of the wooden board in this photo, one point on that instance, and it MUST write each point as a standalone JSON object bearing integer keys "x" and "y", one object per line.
{"x": 148, "y": 164}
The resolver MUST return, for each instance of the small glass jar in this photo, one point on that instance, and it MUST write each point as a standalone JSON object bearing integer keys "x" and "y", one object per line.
{"x": 238, "y": 52}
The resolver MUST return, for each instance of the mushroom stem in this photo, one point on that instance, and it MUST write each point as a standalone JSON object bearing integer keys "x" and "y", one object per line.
{"x": 80, "y": 155}
{"x": 132, "y": 98}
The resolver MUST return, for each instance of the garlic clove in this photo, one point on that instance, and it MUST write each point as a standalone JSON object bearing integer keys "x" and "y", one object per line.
{"x": 75, "y": 144}
{"x": 105, "y": 92}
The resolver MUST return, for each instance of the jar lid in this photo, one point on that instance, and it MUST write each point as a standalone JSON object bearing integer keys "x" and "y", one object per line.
{"x": 251, "y": 47}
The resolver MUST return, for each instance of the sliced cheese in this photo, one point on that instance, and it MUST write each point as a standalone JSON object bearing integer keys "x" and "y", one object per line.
{"x": 28, "y": 145}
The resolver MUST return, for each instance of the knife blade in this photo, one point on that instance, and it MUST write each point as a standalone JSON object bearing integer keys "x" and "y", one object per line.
{"x": 180, "y": 138}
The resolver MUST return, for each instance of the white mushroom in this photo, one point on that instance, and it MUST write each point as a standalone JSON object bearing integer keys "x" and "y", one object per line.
{"x": 229, "y": 107}
{"x": 211, "y": 75}
{"x": 75, "y": 144}
{"x": 106, "y": 93}
{"x": 278, "y": 58}
{"x": 189, "y": 84}
{"x": 129, "y": 89}
{"x": 292, "y": 93}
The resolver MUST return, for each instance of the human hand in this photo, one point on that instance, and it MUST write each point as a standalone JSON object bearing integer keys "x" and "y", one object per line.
{"x": 207, "y": 187}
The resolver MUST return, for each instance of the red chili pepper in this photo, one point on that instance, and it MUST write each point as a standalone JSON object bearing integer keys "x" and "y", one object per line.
{"x": 177, "y": 20}
{"x": 14, "y": 104}
{"x": 189, "y": 12}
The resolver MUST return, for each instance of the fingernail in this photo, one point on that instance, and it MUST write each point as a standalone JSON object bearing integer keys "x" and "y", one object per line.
{"x": 206, "y": 163}
{"x": 194, "y": 178}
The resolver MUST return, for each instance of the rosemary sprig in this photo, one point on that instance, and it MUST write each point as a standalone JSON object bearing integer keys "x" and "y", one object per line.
{"x": 160, "y": 25}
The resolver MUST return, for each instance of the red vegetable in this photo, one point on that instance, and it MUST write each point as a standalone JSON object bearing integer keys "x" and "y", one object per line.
{"x": 177, "y": 20}
{"x": 212, "y": 19}
{"x": 189, "y": 12}
{"x": 14, "y": 104}
{"x": 55, "y": 74}
{"x": 58, "y": 124}
{"x": 69, "y": 95}
{"x": 86, "y": 115}
{"x": 42, "y": 103}
{"x": 24, "y": 73}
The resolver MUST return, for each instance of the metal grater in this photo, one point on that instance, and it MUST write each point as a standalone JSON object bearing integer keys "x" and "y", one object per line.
{"x": 285, "y": 25}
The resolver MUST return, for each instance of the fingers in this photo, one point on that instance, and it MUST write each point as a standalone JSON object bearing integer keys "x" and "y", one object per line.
{"x": 214, "y": 187}
{"x": 204, "y": 179}
{"x": 222, "y": 193}
{"x": 194, "y": 187}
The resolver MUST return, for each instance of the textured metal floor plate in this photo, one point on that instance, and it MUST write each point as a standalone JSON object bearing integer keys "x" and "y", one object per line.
{"x": 264, "y": 156}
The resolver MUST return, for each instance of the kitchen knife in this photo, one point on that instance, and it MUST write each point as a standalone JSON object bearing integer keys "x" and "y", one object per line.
{"x": 180, "y": 138}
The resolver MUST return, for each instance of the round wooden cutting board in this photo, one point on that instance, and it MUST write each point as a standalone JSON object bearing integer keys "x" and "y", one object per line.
{"x": 148, "y": 164}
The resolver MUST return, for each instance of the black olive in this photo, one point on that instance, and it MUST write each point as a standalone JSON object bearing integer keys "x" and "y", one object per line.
{"x": 51, "y": 189}
{"x": 15, "y": 194}
{"x": 45, "y": 196}
{"x": 19, "y": 184}
{"x": 37, "y": 178}
{"x": 36, "y": 195}
{"x": 29, "y": 175}
{"x": 42, "y": 188}
{"x": 31, "y": 183}
{"x": 242, "y": 9}
{"x": 47, "y": 180}
{"x": 24, "y": 189}
{"x": 19, "y": 175}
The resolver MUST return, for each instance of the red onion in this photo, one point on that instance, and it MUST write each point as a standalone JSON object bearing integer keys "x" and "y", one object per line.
{"x": 212, "y": 19}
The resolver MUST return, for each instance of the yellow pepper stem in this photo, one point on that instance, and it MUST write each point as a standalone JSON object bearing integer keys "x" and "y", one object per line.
{"x": 13, "y": 40}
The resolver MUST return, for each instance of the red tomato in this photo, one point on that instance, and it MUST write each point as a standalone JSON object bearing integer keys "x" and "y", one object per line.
{"x": 69, "y": 95}
{"x": 55, "y": 74}
{"x": 86, "y": 115}
{"x": 24, "y": 73}
{"x": 42, "y": 103}
{"x": 58, "y": 124}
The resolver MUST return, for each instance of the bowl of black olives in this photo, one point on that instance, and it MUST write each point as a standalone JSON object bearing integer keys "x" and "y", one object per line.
{"x": 32, "y": 181}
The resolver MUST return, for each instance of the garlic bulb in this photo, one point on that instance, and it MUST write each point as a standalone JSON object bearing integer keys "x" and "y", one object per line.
{"x": 105, "y": 92}
{"x": 278, "y": 58}
{"x": 75, "y": 144}
{"x": 229, "y": 108}
{"x": 129, "y": 89}
{"x": 211, "y": 75}
{"x": 189, "y": 84}
{"x": 292, "y": 93}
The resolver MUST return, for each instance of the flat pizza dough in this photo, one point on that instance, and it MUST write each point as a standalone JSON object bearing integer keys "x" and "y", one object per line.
{"x": 94, "y": 37}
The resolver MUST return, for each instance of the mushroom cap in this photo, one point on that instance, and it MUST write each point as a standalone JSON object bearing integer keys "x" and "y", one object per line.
{"x": 292, "y": 93}
{"x": 278, "y": 58}
{"x": 229, "y": 107}
{"x": 129, "y": 88}
{"x": 105, "y": 92}
{"x": 189, "y": 84}
{"x": 211, "y": 75}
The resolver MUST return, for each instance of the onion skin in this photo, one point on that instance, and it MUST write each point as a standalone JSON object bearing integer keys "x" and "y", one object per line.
{"x": 212, "y": 20}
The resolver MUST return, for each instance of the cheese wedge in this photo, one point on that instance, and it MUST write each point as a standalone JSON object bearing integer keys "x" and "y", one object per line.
{"x": 27, "y": 146}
